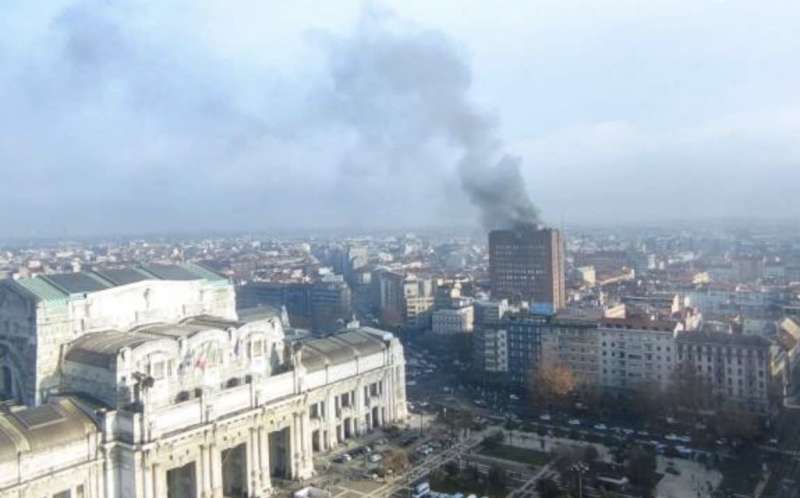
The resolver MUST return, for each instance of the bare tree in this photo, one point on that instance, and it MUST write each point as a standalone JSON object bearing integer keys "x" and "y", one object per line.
{"x": 734, "y": 422}
{"x": 648, "y": 400}
{"x": 689, "y": 389}
{"x": 553, "y": 383}
{"x": 395, "y": 460}
{"x": 640, "y": 466}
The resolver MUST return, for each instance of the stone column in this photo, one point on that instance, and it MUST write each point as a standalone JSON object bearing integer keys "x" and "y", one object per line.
{"x": 253, "y": 483}
{"x": 386, "y": 395}
{"x": 359, "y": 403}
{"x": 298, "y": 446}
{"x": 307, "y": 448}
{"x": 263, "y": 453}
{"x": 108, "y": 470}
{"x": 147, "y": 476}
{"x": 204, "y": 471}
{"x": 330, "y": 420}
{"x": 291, "y": 449}
{"x": 215, "y": 467}
{"x": 160, "y": 478}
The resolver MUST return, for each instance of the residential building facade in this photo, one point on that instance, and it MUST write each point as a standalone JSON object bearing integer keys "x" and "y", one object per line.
{"x": 453, "y": 321}
{"x": 636, "y": 352}
{"x": 736, "y": 368}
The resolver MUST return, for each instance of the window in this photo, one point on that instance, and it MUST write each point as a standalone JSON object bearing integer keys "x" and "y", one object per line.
{"x": 256, "y": 348}
{"x": 63, "y": 494}
{"x": 157, "y": 369}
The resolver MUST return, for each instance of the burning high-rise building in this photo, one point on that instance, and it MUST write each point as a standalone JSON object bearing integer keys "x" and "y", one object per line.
{"x": 526, "y": 263}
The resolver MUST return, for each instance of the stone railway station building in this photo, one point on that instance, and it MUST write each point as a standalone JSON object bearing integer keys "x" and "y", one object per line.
{"x": 145, "y": 382}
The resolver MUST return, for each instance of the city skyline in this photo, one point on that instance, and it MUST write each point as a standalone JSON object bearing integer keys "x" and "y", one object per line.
{"x": 399, "y": 249}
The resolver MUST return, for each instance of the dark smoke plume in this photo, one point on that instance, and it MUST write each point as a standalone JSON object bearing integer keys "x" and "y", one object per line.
{"x": 405, "y": 90}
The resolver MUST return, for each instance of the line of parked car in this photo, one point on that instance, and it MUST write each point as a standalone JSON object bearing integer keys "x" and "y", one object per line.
{"x": 367, "y": 451}
{"x": 669, "y": 448}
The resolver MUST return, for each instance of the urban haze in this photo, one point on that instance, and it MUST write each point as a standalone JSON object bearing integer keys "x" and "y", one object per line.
{"x": 172, "y": 115}
{"x": 399, "y": 249}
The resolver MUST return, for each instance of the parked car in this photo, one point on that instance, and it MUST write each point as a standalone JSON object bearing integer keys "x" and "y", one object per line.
{"x": 546, "y": 417}
{"x": 574, "y": 421}
{"x": 600, "y": 427}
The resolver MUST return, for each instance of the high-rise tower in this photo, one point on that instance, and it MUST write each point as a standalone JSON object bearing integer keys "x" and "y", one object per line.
{"x": 527, "y": 264}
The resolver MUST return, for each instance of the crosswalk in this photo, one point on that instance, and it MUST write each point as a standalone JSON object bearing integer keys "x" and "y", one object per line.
{"x": 405, "y": 480}
{"x": 528, "y": 488}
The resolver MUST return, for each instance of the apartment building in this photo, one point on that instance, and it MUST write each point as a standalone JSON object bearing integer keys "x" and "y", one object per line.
{"x": 636, "y": 351}
{"x": 737, "y": 368}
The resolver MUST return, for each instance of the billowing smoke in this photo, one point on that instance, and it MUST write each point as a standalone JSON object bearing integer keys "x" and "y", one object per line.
{"x": 405, "y": 91}
{"x": 371, "y": 128}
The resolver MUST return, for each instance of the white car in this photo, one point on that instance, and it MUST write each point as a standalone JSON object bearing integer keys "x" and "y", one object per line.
{"x": 574, "y": 421}
{"x": 600, "y": 427}
{"x": 546, "y": 417}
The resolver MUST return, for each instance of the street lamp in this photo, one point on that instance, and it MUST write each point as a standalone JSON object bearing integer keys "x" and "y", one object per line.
{"x": 579, "y": 468}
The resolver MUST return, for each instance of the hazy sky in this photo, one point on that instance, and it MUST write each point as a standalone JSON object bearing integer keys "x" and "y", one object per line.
{"x": 141, "y": 116}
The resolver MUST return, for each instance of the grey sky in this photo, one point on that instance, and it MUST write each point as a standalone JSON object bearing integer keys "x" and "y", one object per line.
{"x": 141, "y": 116}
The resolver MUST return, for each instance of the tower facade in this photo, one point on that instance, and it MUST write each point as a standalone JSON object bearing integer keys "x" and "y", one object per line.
{"x": 527, "y": 264}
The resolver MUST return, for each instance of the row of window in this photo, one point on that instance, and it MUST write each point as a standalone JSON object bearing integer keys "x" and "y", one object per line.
{"x": 209, "y": 357}
{"x": 719, "y": 351}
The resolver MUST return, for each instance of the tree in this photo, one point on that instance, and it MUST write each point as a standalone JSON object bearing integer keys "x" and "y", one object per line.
{"x": 462, "y": 346}
{"x": 494, "y": 440}
{"x": 497, "y": 479}
{"x": 735, "y": 423}
{"x": 396, "y": 460}
{"x": 590, "y": 454}
{"x": 648, "y": 400}
{"x": 566, "y": 457}
{"x": 472, "y": 473}
{"x": 640, "y": 467}
{"x": 689, "y": 389}
{"x": 553, "y": 383}
{"x": 456, "y": 420}
{"x": 451, "y": 468}
{"x": 548, "y": 488}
